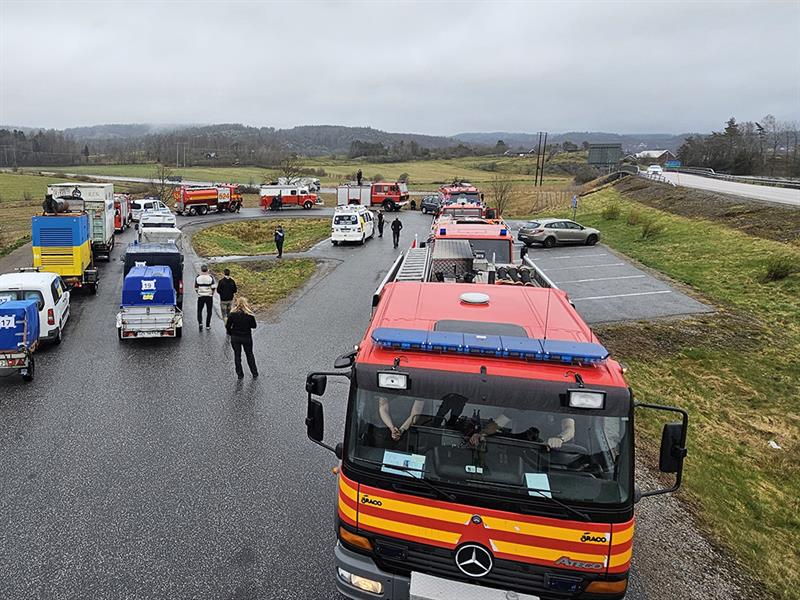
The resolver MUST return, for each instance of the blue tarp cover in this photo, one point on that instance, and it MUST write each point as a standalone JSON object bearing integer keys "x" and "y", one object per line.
{"x": 19, "y": 324}
{"x": 148, "y": 286}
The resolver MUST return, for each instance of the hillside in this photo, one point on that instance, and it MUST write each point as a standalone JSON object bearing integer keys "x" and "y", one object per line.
{"x": 630, "y": 141}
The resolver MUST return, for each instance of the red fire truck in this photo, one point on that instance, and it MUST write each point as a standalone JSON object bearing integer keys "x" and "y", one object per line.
{"x": 461, "y": 191}
{"x": 488, "y": 449}
{"x": 390, "y": 196}
{"x": 199, "y": 200}
{"x": 490, "y": 238}
{"x": 274, "y": 197}
{"x": 122, "y": 212}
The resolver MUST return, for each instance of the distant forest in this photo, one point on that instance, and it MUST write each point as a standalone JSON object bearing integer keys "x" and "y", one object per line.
{"x": 766, "y": 147}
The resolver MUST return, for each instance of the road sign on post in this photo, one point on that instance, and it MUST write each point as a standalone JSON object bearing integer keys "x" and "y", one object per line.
{"x": 574, "y": 205}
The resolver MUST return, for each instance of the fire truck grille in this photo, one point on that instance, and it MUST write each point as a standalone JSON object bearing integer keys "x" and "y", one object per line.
{"x": 505, "y": 575}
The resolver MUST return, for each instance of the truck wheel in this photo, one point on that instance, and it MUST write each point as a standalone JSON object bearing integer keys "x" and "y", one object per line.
{"x": 28, "y": 377}
{"x": 58, "y": 337}
{"x": 178, "y": 332}
{"x": 232, "y": 208}
{"x": 202, "y": 210}
{"x": 388, "y": 205}
{"x": 192, "y": 211}
{"x": 308, "y": 204}
{"x": 93, "y": 288}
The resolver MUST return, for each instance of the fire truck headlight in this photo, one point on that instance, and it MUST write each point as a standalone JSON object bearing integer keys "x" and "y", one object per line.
{"x": 362, "y": 583}
{"x": 587, "y": 399}
{"x": 393, "y": 381}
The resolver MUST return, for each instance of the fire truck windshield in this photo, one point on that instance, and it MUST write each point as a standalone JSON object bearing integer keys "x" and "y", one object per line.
{"x": 499, "y": 250}
{"x": 510, "y": 446}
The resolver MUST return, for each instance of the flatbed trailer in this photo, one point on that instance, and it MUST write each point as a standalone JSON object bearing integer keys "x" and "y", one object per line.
{"x": 149, "y": 307}
{"x": 19, "y": 336}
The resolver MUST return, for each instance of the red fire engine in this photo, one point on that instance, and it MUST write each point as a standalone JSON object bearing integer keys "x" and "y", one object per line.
{"x": 122, "y": 212}
{"x": 488, "y": 449}
{"x": 199, "y": 200}
{"x": 460, "y": 191}
{"x": 275, "y": 197}
{"x": 390, "y": 196}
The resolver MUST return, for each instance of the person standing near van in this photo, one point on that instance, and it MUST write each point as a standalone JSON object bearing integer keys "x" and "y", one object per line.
{"x": 226, "y": 288}
{"x": 239, "y": 327}
{"x": 204, "y": 285}
{"x": 380, "y": 223}
{"x": 279, "y": 237}
{"x": 397, "y": 225}
{"x": 359, "y": 177}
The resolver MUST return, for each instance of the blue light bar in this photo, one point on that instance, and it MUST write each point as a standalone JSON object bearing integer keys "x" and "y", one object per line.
{"x": 442, "y": 231}
{"x": 503, "y": 231}
{"x": 511, "y": 347}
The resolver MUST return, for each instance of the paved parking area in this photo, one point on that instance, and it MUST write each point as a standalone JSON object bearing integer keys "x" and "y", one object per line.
{"x": 606, "y": 287}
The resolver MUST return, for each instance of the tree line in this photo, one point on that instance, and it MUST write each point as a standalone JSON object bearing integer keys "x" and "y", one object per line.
{"x": 767, "y": 147}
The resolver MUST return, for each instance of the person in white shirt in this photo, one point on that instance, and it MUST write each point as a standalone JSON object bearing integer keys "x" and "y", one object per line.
{"x": 204, "y": 285}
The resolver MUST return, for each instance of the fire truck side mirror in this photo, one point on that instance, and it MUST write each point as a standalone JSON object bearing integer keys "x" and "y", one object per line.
{"x": 672, "y": 451}
{"x": 316, "y": 384}
{"x": 315, "y": 420}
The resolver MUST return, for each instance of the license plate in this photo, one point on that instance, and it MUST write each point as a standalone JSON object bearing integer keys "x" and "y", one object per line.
{"x": 428, "y": 587}
{"x": 149, "y": 334}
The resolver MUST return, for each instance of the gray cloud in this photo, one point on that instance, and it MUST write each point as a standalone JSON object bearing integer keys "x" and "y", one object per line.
{"x": 403, "y": 66}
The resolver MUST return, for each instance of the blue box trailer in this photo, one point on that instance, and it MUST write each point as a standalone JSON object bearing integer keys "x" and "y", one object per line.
{"x": 19, "y": 336}
{"x": 149, "y": 305}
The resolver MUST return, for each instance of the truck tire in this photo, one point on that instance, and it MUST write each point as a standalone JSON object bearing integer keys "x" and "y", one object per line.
{"x": 178, "y": 332}
{"x": 308, "y": 204}
{"x": 93, "y": 288}
{"x": 202, "y": 210}
{"x": 28, "y": 377}
{"x": 232, "y": 208}
{"x": 59, "y": 336}
{"x": 192, "y": 211}
{"x": 389, "y": 206}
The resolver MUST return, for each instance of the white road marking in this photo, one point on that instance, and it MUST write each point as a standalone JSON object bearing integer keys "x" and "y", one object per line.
{"x": 587, "y": 266}
{"x": 602, "y": 279}
{"x": 621, "y": 295}
{"x": 571, "y": 256}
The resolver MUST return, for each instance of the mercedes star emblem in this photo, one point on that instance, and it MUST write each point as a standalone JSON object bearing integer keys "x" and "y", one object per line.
{"x": 473, "y": 560}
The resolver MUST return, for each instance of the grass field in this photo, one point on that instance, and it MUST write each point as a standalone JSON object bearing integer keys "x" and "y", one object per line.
{"x": 736, "y": 372}
{"x": 426, "y": 174}
{"x": 264, "y": 283}
{"x": 252, "y": 237}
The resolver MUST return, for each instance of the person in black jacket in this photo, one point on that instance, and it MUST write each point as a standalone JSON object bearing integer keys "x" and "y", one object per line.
{"x": 380, "y": 223}
{"x": 240, "y": 324}
{"x": 280, "y": 235}
{"x": 397, "y": 225}
{"x": 226, "y": 288}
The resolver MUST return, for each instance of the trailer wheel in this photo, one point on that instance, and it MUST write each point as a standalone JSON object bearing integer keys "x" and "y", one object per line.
{"x": 202, "y": 210}
{"x": 28, "y": 376}
{"x": 308, "y": 204}
{"x": 119, "y": 334}
{"x": 178, "y": 332}
{"x": 93, "y": 288}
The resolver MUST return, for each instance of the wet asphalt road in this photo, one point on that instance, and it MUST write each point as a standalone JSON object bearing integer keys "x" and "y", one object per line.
{"x": 146, "y": 470}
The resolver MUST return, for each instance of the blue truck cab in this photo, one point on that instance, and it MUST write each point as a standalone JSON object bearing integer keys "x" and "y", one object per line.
{"x": 19, "y": 336}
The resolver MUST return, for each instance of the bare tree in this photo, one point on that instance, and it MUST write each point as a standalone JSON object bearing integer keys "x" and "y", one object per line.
{"x": 162, "y": 182}
{"x": 290, "y": 166}
{"x": 501, "y": 187}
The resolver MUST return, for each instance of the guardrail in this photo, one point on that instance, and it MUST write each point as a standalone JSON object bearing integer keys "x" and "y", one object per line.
{"x": 538, "y": 275}
{"x": 656, "y": 177}
{"x": 751, "y": 179}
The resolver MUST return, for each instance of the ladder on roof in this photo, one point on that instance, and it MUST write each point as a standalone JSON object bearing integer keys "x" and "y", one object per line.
{"x": 414, "y": 266}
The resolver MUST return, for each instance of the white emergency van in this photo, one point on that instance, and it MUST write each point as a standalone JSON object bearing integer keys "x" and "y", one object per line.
{"x": 50, "y": 293}
{"x": 353, "y": 223}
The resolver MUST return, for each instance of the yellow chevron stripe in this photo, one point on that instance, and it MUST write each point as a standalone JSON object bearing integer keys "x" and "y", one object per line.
{"x": 545, "y": 553}
{"x": 446, "y": 537}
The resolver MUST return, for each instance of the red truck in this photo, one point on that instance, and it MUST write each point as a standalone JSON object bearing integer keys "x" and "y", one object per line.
{"x": 390, "y": 196}
{"x": 122, "y": 212}
{"x": 199, "y": 200}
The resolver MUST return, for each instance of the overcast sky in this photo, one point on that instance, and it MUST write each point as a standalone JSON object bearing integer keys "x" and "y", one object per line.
{"x": 426, "y": 67}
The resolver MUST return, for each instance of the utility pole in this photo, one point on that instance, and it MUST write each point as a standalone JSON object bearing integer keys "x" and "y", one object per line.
{"x": 538, "y": 152}
{"x": 541, "y": 171}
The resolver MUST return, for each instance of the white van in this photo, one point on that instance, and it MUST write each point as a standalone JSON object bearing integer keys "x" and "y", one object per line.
{"x": 151, "y": 218}
{"x": 353, "y": 223}
{"x": 142, "y": 204}
{"x": 48, "y": 290}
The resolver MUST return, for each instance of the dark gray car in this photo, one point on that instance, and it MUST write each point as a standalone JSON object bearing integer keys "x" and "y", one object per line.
{"x": 430, "y": 204}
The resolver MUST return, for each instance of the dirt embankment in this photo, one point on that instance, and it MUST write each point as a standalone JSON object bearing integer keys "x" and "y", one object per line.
{"x": 768, "y": 221}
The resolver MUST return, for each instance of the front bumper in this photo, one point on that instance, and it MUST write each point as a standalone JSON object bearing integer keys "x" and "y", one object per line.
{"x": 395, "y": 587}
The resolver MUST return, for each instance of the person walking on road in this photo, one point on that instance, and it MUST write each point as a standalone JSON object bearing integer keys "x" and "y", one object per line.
{"x": 397, "y": 225}
{"x": 239, "y": 327}
{"x": 204, "y": 285}
{"x": 359, "y": 177}
{"x": 226, "y": 288}
{"x": 279, "y": 237}
{"x": 380, "y": 223}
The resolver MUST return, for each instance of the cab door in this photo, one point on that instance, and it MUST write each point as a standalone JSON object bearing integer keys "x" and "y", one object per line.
{"x": 60, "y": 297}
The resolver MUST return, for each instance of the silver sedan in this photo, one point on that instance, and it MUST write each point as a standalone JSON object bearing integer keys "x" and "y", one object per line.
{"x": 550, "y": 232}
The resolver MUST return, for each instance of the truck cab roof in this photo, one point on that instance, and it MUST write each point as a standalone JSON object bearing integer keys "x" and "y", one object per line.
{"x": 515, "y": 316}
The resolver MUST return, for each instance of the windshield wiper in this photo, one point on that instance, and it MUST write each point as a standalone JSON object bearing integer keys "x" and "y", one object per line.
{"x": 414, "y": 475}
{"x": 541, "y": 492}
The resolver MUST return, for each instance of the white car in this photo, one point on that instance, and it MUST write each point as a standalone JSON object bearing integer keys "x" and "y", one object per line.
{"x": 142, "y": 204}
{"x": 655, "y": 170}
{"x": 352, "y": 223}
{"x": 156, "y": 218}
{"x": 51, "y": 294}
